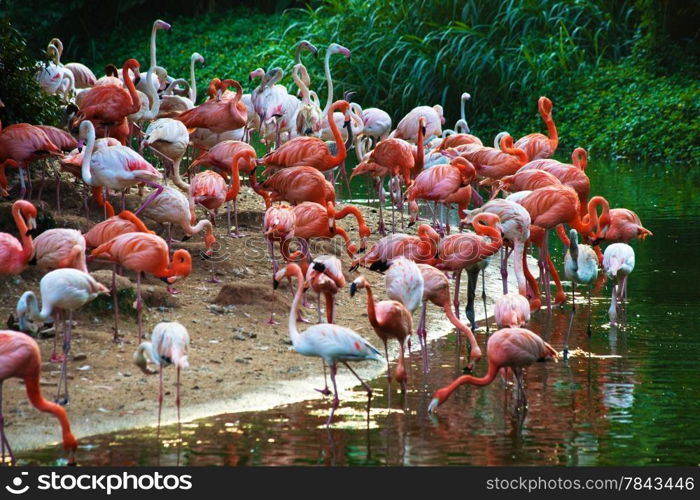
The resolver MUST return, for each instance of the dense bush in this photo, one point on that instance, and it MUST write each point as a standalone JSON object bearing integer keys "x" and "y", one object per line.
{"x": 20, "y": 93}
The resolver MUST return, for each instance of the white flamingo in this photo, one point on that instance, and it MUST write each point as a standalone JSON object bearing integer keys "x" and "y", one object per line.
{"x": 618, "y": 263}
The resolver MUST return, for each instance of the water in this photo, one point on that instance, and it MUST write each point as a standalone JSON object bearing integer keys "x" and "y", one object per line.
{"x": 638, "y": 408}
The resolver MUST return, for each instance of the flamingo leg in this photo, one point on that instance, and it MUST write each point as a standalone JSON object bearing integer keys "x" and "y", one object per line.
{"x": 455, "y": 302}
{"x": 55, "y": 358}
{"x": 115, "y": 304}
{"x": 364, "y": 384}
{"x": 472, "y": 281}
{"x": 336, "y": 399}
{"x": 151, "y": 197}
{"x": 571, "y": 319}
{"x": 57, "y": 176}
{"x": 271, "y": 248}
{"x": 236, "y": 233}
{"x": 381, "y": 229}
{"x": 64, "y": 367}
{"x": 139, "y": 305}
{"x": 388, "y": 368}
{"x": 504, "y": 269}
{"x": 177, "y": 399}
{"x": 325, "y": 391}
{"x": 483, "y": 298}
{"x": 160, "y": 400}
{"x": 4, "y": 443}
{"x": 423, "y": 336}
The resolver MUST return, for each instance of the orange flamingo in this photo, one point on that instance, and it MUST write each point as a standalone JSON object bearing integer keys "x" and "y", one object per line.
{"x": 24, "y": 143}
{"x": 14, "y": 256}
{"x": 527, "y": 180}
{"x": 436, "y": 289}
{"x": 146, "y": 253}
{"x": 218, "y": 115}
{"x": 312, "y": 220}
{"x": 310, "y": 151}
{"x": 466, "y": 250}
{"x": 107, "y": 106}
{"x": 489, "y": 162}
{"x": 299, "y": 184}
{"x": 538, "y": 145}
{"x": 438, "y": 183}
{"x": 549, "y": 207}
{"x": 59, "y": 248}
{"x": 20, "y": 357}
{"x": 421, "y": 248}
{"x": 511, "y": 310}
{"x": 618, "y": 225}
{"x": 513, "y": 348}
{"x": 390, "y": 320}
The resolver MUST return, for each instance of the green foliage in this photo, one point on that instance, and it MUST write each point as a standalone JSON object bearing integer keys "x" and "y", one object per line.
{"x": 23, "y": 98}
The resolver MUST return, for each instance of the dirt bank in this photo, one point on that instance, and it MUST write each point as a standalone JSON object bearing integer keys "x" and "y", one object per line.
{"x": 238, "y": 361}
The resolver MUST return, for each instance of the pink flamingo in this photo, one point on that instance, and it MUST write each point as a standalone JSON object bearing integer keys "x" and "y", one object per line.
{"x": 436, "y": 289}
{"x": 390, "y": 320}
{"x": 20, "y": 357}
{"x": 60, "y": 248}
{"x": 618, "y": 225}
{"x": 404, "y": 282}
{"x": 538, "y": 145}
{"x": 14, "y": 256}
{"x": 514, "y": 348}
{"x": 466, "y": 250}
{"x": 408, "y": 127}
{"x": 421, "y": 248}
{"x": 332, "y": 343}
{"x": 515, "y": 224}
{"x": 511, "y": 310}
{"x": 168, "y": 345}
{"x": 299, "y": 184}
{"x": 218, "y": 115}
{"x": 61, "y": 290}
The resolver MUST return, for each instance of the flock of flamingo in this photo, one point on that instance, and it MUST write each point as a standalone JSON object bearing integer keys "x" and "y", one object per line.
{"x": 113, "y": 121}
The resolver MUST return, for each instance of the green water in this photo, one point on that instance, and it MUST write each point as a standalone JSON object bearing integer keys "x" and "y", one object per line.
{"x": 639, "y": 408}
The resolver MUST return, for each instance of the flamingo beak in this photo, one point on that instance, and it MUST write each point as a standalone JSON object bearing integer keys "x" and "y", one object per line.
{"x": 275, "y": 284}
{"x": 353, "y": 289}
{"x": 433, "y": 405}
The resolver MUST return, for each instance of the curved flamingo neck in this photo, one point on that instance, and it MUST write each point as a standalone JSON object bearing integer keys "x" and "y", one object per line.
{"x": 193, "y": 85}
{"x": 135, "y": 99}
{"x": 445, "y": 392}
{"x": 579, "y": 158}
{"x": 371, "y": 310}
{"x": 329, "y": 83}
{"x": 299, "y": 81}
{"x": 235, "y": 186}
{"x": 551, "y": 130}
{"x": 493, "y": 233}
{"x": 27, "y": 244}
{"x": 593, "y": 219}
{"x": 87, "y": 155}
{"x": 447, "y": 307}
{"x": 508, "y": 148}
{"x": 37, "y": 400}
{"x": 134, "y": 219}
{"x": 341, "y": 152}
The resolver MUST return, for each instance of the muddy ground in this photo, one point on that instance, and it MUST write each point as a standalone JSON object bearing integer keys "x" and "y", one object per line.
{"x": 238, "y": 361}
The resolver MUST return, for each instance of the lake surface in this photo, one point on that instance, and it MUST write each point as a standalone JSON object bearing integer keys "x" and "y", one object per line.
{"x": 635, "y": 401}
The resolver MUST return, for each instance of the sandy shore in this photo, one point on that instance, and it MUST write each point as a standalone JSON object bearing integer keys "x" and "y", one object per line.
{"x": 238, "y": 361}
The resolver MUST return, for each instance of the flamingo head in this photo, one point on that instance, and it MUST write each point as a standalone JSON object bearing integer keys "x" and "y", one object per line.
{"x": 358, "y": 284}
{"x": 545, "y": 106}
{"x": 181, "y": 266}
{"x": 161, "y": 25}
{"x": 439, "y": 397}
{"x": 335, "y": 48}
{"x": 439, "y": 111}
{"x": 466, "y": 96}
{"x": 198, "y": 57}
{"x": 486, "y": 220}
{"x": 306, "y": 45}
{"x": 257, "y": 73}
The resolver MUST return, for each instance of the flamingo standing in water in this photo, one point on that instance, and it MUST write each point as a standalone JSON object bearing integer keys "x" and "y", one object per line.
{"x": 580, "y": 266}
{"x": 58, "y": 248}
{"x": 466, "y": 251}
{"x": 618, "y": 225}
{"x": 618, "y": 263}
{"x": 515, "y": 223}
{"x": 115, "y": 167}
{"x": 332, "y": 343}
{"x": 539, "y": 145}
{"x": 14, "y": 256}
{"x": 390, "y": 320}
{"x": 168, "y": 345}
{"x": 514, "y": 348}
{"x": 511, "y": 310}
{"x": 61, "y": 290}
{"x": 20, "y": 357}
{"x": 436, "y": 289}
{"x": 146, "y": 253}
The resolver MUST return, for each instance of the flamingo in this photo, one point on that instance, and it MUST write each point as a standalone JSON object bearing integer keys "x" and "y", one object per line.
{"x": 376, "y": 123}
{"x": 514, "y": 348}
{"x": 489, "y": 162}
{"x": 333, "y": 48}
{"x": 390, "y": 320}
{"x": 169, "y": 344}
{"x": 436, "y": 289}
{"x": 404, "y": 282}
{"x": 515, "y": 223}
{"x": 115, "y": 167}
{"x": 14, "y": 256}
{"x": 455, "y": 140}
{"x": 539, "y": 145}
{"x": 309, "y": 118}
{"x": 66, "y": 143}
{"x": 580, "y": 266}
{"x": 169, "y": 139}
{"x": 511, "y": 310}
{"x": 53, "y": 78}
{"x": 407, "y": 128}
{"x": 527, "y": 180}
{"x": 312, "y": 220}
{"x": 299, "y": 184}
{"x": 61, "y": 290}
{"x": 218, "y": 115}
{"x": 59, "y": 248}
{"x": 438, "y": 183}
{"x": 391, "y": 157}
{"x": 173, "y": 207}
{"x": 618, "y": 225}
{"x": 548, "y": 207}
{"x": 146, "y": 253}
{"x": 278, "y": 226}
{"x": 172, "y": 105}
{"x": 83, "y": 77}
{"x": 20, "y": 357}
{"x": 25, "y": 143}
{"x": 332, "y": 343}
{"x": 124, "y": 222}
{"x": 421, "y": 248}
{"x": 310, "y": 151}
{"x": 618, "y": 263}
{"x": 466, "y": 250}
{"x": 107, "y": 106}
